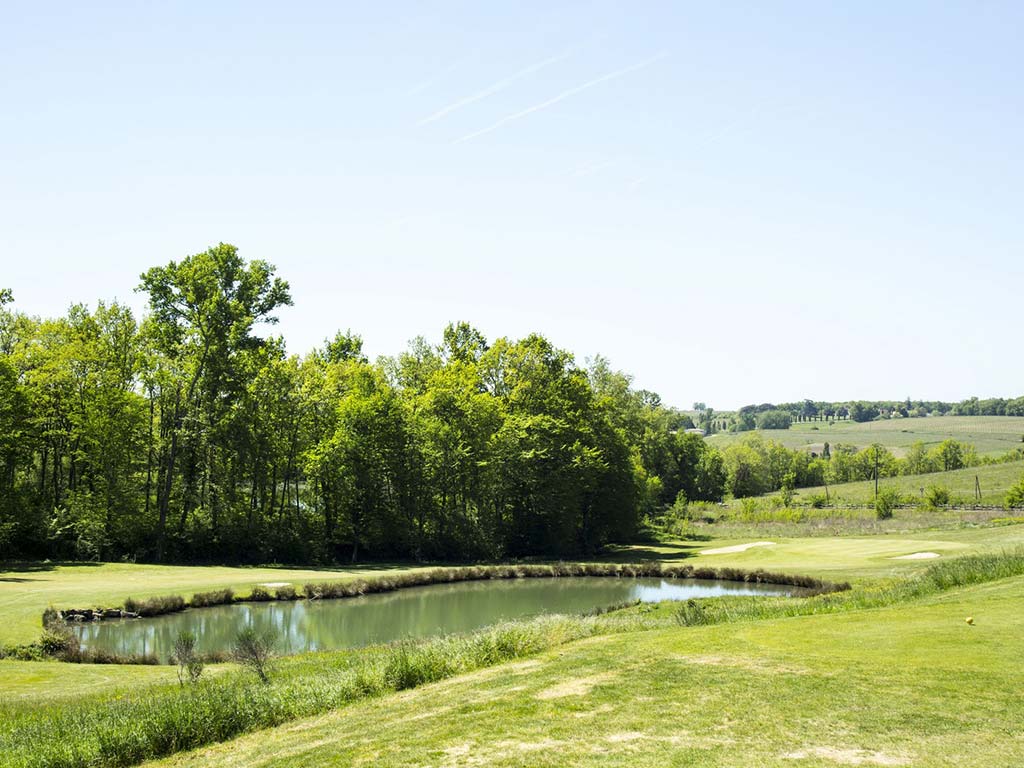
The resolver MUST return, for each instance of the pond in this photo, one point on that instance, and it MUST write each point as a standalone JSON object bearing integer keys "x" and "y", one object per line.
{"x": 305, "y": 625}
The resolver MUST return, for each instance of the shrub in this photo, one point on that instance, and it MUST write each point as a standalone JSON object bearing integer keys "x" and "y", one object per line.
{"x": 254, "y": 650}
{"x": 818, "y": 500}
{"x": 259, "y": 594}
{"x": 1015, "y": 496}
{"x": 216, "y": 597}
{"x": 885, "y": 502}
{"x": 59, "y": 641}
{"x": 936, "y": 496}
{"x": 155, "y": 606}
{"x": 286, "y": 592}
{"x": 190, "y": 665}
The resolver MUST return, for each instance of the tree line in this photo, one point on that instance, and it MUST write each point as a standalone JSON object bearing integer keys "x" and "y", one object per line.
{"x": 782, "y": 416}
{"x": 190, "y": 435}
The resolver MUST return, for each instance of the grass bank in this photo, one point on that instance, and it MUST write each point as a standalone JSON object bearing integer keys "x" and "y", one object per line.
{"x": 908, "y": 685}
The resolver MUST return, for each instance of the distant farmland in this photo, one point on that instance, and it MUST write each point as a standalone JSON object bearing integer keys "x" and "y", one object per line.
{"x": 991, "y": 435}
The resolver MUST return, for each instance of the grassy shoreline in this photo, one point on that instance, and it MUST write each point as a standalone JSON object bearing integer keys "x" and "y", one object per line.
{"x": 168, "y": 719}
{"x": 55, "y": 620}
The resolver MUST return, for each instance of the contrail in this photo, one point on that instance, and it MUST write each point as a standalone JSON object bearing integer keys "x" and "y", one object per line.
{"x": 429, "y": 83}
{"x": 560, "y": 97}
{"x": 494, "y": 88}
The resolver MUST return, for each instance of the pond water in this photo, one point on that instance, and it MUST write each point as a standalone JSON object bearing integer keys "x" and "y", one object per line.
{"x": 305, "y": 625}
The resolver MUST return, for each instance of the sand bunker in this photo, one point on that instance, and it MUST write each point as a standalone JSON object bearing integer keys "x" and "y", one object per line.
{"x": 275, "y": 584}
{"x": 917, "y": 556}
{"x": 737, "y": 548}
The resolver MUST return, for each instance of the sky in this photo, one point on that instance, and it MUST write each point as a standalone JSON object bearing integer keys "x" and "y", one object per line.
{"x": 733, "y": 202}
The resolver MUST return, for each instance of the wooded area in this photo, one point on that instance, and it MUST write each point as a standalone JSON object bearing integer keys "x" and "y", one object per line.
{"x": 188, "y": 436}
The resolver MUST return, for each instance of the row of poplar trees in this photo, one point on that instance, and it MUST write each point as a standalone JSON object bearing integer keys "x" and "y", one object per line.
{"x": 191, "y": 436}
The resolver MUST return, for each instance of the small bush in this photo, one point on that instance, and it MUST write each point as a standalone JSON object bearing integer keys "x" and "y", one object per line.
{"x": 885, "y": 502}
{"x": 1015, "y": 496}
{"x": 254, "y": 650}
{"x": 260, "y": 595}
{"x": 59, "y": 642}
{"x": 51, "y": 617}
{"x": 216, "y": 597}
{"x": 155, "y": 606}
{"x": 936, "y": 497}
{"x": 190, "y": 665}
{"x": 286, "y": 592}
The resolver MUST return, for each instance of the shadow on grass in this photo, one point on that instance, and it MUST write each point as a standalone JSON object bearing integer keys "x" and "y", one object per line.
{"x": 632, "y": 553}
{"x": 39, "y": 566}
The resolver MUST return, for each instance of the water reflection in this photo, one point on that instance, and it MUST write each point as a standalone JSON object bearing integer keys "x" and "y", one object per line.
{"x": 415, "y": 612}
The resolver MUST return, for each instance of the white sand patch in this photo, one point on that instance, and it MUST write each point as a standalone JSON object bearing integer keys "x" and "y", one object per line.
{"x": 847, "y": 756}
{"x": 917, "y": 556}
{"x": 737, "y": 548}
{"x": 276, "y": 584}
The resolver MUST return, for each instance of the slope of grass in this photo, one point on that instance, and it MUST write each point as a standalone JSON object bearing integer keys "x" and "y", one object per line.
{"x": 991, "y": 435}
{"x": 995, "y": 481}
{"x": 905, "y": 685}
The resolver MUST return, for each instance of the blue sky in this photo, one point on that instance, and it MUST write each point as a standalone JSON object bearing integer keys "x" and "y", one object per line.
{"x": 734, "y": 202}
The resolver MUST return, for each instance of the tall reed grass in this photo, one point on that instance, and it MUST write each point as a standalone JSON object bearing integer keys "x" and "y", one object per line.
{"x": 392, "y": 582}
{"x": 168, "y": 719}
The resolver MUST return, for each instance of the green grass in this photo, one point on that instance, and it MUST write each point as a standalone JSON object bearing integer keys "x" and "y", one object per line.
{"x": 995, "y": 481}
{"x": 123, "y": 730}
{"x": 51, "y": 681}
{"x": 991, "y": 435}
{"x": 900, "y": 685}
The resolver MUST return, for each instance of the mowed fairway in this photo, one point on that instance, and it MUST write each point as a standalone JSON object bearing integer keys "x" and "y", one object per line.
{"x": 989, "y": 434}
{"x": 913, "y": 685}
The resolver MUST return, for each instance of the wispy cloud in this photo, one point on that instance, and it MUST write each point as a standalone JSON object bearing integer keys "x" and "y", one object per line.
{"x": 560, "y": 97}
{"x": 494, "y": 88}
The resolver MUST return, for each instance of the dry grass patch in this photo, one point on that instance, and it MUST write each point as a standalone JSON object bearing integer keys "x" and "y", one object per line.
{"x": 847, "y": 756}
{"x": 578, "y": 687}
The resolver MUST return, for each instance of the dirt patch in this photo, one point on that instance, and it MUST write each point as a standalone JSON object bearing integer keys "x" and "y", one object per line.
{"x": 737, "y": 548}
{"x": 579, "y": 687}
{"x": 918, "y": 556}
{"x": 847, "y": 756}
